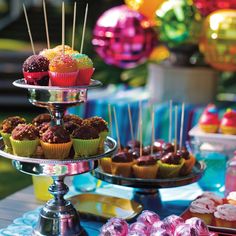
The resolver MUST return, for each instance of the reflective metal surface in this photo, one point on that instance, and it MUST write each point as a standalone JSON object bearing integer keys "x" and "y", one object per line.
{"x": 194, "y": 176}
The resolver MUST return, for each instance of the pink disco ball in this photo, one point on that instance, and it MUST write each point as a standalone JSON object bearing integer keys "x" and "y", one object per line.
{"x": 123, "y": 37}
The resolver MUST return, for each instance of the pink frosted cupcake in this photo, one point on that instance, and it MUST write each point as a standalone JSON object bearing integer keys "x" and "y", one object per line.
{"x": 225, "y": 216}
{"x": 213, "y": 197}
{"x": 63, "y": 71}
{"x": 231, "y": 198}
{"x": 203, "y": 208}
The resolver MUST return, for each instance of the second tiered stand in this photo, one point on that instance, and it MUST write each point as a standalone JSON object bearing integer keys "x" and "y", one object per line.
{"x": 58, "y": 216}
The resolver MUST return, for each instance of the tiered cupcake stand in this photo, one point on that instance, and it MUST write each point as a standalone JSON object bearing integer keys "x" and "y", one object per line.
{"x": 58, "y": 216}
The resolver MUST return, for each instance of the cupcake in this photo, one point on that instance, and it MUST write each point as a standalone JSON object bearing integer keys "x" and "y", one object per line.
{"x": 132, "y": 144}
{"x": 72, "y": 118}
{"x": 105, "y": 164}
{"x": 70, "y": 126}
{"x": 48, "y": 53}
{"x": 121, "y": 164}
{"x": 24, "y": 140}
{"x": 35, "y": 70}
{"x": 225, "y": 216}
{"x": 209, "y": 121}
{"x": 56, "y": 143}
{"x": 228, "y": 122}
{"x": 188, "y": 163}
{"x": 85, "y": 68}
{"x": 231, "y": 198}
{"x": 85, "y": 140}
{"x": 170, "y": 165}
{"x": 213, "y": 197}
{"x": 101, "y": 126}
{"x": 203, "y": 208}
{"x": 63, "y": 71}
{"x": 42, "y": 118}
{"x": 6, "y": 128}
{"x": 146, "y": 167}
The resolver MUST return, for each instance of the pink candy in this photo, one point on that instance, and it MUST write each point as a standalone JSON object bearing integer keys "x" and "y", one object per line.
{"x": 148, "y": 218}
{"x": 139, "y": 227}
{"x": 160, "y": 232}
{"x": 199, "y": 225}
{"x": 172, "y": 221}
{"x": 185, "y": 230}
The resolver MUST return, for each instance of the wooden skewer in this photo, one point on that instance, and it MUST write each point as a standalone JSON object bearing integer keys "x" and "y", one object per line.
{"x": 170, "y": 121}
{"x": 46, "y": 23}
{"x": 29, "y": 31}
{"x": 117, "y": 129}
{"x": 176, "y": 126}
{"x": 181, "y": 128}
{"x": 110, "y": 119}
{"x": 140, "y": 128}
{"x": 131, "y": 123}
{"x": 84, "y": 27}
{"x": 153, "y": 130}
{"x": 73, "y": 29}
{"x": 63, "y": 28}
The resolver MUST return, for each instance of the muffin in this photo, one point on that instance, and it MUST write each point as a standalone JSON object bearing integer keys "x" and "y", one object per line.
{"x": 24, "y": 140}
{"x": 70, "y": 126}
{"x": 209, "y": 121}
{"x": 85, "y": 140}
{"x": 7, "y": 126}
{"x": 56, "y": 143}
{"x": 231, "y": 198}
{"x": 41, "y": 118}
{"x": 188, "y": 163}
{"x": 225, "y": 216}
{"x": 228, "y": 122}
{"x": 72, "y": 118}
{"x": 213, "y": 197}
{"x": 203, "y": 208}
{"x": 146, "y": 167}
{"x": 121, "y": 164}
{"x": 170, "y": 165}
{"x": 101, "y": 126}
{"x": 105, "y": 164}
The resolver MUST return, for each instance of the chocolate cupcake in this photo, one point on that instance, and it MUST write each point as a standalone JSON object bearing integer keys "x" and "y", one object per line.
{"x": 146, "y": 167}
{"x": 42, "y": 118}
{"x": 70, "y": 126}
{"x": 189, "y": 161}
{"x": 56, "y": 143}
{"x": 122, "y": 164}
{"x": 35, "y": 70}
{"x": 85, "y": 140}
{"x": 24, "y": 140}
{"x": 170, "y": 165}
{"x": 101, "y": 126}
{"x": 132, "y": 144}
{"x": 72, "y": 118}
{"x": 7, "y": 127}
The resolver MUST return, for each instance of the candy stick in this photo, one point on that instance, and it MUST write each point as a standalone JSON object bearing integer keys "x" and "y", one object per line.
{"x": 110, "y": 119}
{"x": 176, "y": 126}
{"x": 170, "y": 121}
{"x": 63, "y": 28}
{"x": 153, "y": 130}
{"x": 73, "y": 29}
{"x": 181, "y": 128}
{"x": 28, "y": 27}
{"x": 117, "y": 130}
{"x": 84, "y": 26}
{"x": 140, "y": 128}
{"x": 46, "y": 23}
{"x": 131, "y": 123}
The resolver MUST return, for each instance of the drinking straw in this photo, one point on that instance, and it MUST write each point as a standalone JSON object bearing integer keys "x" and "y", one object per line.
{"x": 140, "y": 128}
{"x": 84, "y": 26}
{"x": 73, "y": 27}
{"x": 28, "y": 27}
{"x": 170, "y": 121}
{"x": 153, "y": 130}
{"x": 131, "y": 123}
{"x": 46, "y": 23}
{"x": 176, "y": 126}
{"x": 181, "y": 128}
{"x": 110, "y": 119}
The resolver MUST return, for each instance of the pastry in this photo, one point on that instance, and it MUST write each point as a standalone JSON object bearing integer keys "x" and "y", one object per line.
{"x": 225, "y": 216}
{"x": 63, "y": 71}
{"x": 209, "y": 121}
{"x": 56, "y": 143}
{"x": 24, "y": 140}
{"x": 85, "y": 140}
{"x": 189, "y": 161}
{"x": 35, "y": 70}
{"x": 203, "y": 208}
{"x": 228, "y": 122}
{"x": 105, "y": 164}
{"x": 231, "y": 198}
{"x": 145, "y": 167}
{"x": 41, "y": 118}
{"x": 213, "y": 197}
{"x": 74, "y": 118}
{"x": 121, "y": 164}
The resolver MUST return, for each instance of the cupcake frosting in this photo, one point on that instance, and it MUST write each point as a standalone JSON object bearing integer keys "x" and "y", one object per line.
{"x": 202, "y": 205}
{"x": 226, "y": 212}
{"x": 171, "y": 158}
{"x": 210, "y": 116}
{"x": 72, "y": 118}
{"x": 25, "y": 132}
{"x": 229, "y": 118}
{"x": 85, "y": 131}
{"x": 218, "y": 200}
{"x": 40, "y": 119}
{"x": 56, "y": 134}
{"x": 122, "y": 157}
{"x": 232, "y": 196}
{"x": 146, "y": 161}
{"x": 97, "y": 122}
{"x": 10, "y": 123}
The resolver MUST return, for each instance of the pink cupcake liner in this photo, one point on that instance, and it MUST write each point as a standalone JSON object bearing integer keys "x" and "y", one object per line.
{"x": 84, "y": 76}
{"x": 33, "y": 77}
{"x": 63, "y": 79}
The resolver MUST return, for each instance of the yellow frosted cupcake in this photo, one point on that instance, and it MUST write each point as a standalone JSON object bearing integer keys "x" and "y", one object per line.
{"x": 56, "y": 143}
{"x": 24, "y": 140}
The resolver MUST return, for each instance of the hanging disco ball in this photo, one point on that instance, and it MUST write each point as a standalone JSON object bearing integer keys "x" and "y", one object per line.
{"x": 123, "y": 37}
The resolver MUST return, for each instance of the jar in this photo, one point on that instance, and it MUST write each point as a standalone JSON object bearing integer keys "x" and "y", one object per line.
{"x": 230, "y": 177}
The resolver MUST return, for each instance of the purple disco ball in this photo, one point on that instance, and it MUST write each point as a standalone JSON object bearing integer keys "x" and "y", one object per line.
{"x": 123, "y": 37}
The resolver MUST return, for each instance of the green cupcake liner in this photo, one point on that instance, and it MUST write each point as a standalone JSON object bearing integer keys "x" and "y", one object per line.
{"x": 102, "y": 135}
{"x": 6, "y": 139}
{"x": 85, "y": 147}
{"x": 169, "y": 170}
{"x": 25, "y": 148}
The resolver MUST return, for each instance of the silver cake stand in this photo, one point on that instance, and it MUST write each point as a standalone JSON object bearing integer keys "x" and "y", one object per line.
{"x": 146, "y": 191}
{"x": 58, "y": 216}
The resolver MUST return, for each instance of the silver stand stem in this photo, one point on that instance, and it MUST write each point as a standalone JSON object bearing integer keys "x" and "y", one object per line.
{"x": 58, "y": 216}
